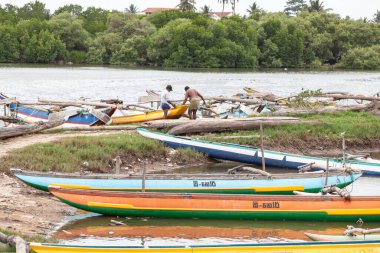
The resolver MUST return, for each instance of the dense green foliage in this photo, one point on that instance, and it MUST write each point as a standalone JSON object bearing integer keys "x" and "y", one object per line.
{"x": 305, "y": 35}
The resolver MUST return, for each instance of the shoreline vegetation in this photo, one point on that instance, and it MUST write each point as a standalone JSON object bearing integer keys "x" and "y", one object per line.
{"x": 97, "y": 153}
{"x": 304, "y": 35}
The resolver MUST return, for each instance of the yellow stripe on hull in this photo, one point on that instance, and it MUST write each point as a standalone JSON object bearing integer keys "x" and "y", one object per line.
{"x": 303, "y": 248}
{"x": 338, "y": 212}
{"x": 255, "y": 189}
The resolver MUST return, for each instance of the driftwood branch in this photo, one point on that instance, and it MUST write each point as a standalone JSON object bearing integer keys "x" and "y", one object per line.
{"x": 357, "y": 97}
{"x": 15, "y": 241}
{"x": 351, "y": 230}
{"x": 242, "y": 168}
{"x": 9, "y": 132}
{"x": 9, "y": 119}
{"x": 334, "y": 189}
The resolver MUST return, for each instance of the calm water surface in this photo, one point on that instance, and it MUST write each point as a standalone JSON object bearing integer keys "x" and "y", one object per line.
{"x": 96, "y": 230}
{"x": 31, "y": 82}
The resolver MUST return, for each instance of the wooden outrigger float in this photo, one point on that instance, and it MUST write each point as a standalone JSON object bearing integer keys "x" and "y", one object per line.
{"x": 221, "y": 206}
{"x": 299, "y": 247}
{"x": 9, "y": 132}
{"x": 192, "y": 183}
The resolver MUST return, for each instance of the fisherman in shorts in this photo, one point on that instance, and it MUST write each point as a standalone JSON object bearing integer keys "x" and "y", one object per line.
{"x": 165, "y": 100}
{"x": 195, "y": 98}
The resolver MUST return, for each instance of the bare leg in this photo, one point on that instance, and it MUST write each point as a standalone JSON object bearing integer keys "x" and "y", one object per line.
{"x": 194, "y": 114}
{"x": 166, "y": 114}
{"x": 190, "y": 114}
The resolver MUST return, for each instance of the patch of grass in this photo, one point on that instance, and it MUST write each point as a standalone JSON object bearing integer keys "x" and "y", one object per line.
{"x": 188, "y": 156}
{"x": 358, "y": 128}
{"x": 69, "y": 154}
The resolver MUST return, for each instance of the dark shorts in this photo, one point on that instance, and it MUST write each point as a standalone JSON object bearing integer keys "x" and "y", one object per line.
{"x": 165, "y": 106}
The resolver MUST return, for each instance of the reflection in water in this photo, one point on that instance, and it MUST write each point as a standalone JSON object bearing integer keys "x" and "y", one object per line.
{"x": 149, "y": 231}
{"x": 97, "y": 230}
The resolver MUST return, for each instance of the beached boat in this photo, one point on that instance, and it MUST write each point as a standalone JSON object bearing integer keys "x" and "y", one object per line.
{"x": 297, "y": 247}
{"x": 221, "y": 206}
{"x": 342, "y": 238}
{"x": 251, "y": 155}
{"x": 173, "y": 113}
{"x": 73, "y": 118}
{"x": 191, "y": 183}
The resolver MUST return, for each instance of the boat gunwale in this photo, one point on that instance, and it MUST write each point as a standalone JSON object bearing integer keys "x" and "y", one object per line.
{"x": 242, "y": 176}
{"x": 306, "y": 243}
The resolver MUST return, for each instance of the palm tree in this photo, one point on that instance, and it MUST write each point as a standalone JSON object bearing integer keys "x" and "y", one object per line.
{"x": 186, "y": 5}
{"x": 224, "y": 2}
{"x": 253, "y": 8}
{"x": 318, "y": 6}
{"x": 206, "y": 10}
{"x": 233, "y": 4}
{"x": 132, "y": 9}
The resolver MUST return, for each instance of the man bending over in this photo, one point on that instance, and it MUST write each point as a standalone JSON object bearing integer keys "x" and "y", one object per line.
{"x": 195, "y": 97}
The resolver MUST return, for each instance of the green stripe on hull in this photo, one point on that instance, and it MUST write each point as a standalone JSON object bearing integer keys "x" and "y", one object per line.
{"x": 237, "y": 215}
{"x": 219, "y": 191}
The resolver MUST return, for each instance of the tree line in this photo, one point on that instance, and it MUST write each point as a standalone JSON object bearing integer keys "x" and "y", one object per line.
{"x": 304, "y": 35}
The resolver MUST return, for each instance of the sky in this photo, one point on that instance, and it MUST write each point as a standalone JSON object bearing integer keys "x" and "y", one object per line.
{"x": 353, "y": 8}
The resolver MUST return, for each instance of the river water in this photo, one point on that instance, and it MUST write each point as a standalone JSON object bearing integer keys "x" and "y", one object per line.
{"x": 30, "y": 82}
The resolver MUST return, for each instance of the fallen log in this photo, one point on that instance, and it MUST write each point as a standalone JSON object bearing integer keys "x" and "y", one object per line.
{"x": 97, "y": 128}
{"x": 165, "y": 124}
{"x": 29, "y": 129}
{"x": 240, "y": 100}
{"x": 230, "y": 125}
{"x": 324, "y": 109}
{"x": 357, "y": 97}
{"x": 9, "y": 119}
{"x": 15, "y": 241}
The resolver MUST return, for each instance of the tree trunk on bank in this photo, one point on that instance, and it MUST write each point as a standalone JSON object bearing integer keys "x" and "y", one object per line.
{"x": 198, "y": 126}
{"x": 22, "y": 130}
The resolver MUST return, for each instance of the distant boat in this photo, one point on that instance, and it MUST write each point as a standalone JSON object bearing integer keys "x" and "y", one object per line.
{"x": 173, "y": 113}
{"x": 251, "y": 155}
{"x": 73, "y": 118}
{"x": 342, "y": 238}
{"x": 221, "y": 206}
{"x": 191, "y": 183}
{"x": 292, "y": 247}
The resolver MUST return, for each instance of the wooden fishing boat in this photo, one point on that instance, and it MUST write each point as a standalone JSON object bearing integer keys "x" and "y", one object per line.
{"x": 77, "y": 117}
{"x": 251, "y": 155}
{"x": 173, "y": 113}
{"x": 191, "y": 183}
{"x": 221, "y": 206}
{"x": 298, "y": 247}
{"x": 9, "y": 132}
{"x": 341, "y": 238}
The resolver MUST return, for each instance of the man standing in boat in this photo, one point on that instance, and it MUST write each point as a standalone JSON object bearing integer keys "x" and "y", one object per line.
{"x": 165, "y": 100}
{"x": 195, "y": 98}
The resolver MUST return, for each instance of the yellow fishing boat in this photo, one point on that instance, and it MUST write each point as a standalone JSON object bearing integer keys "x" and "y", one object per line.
{"x": 298, "y": 247}
{"x": 173, "y": 113}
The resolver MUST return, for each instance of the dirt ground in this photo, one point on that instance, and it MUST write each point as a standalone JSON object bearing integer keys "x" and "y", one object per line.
{"x": 24, "y": 209}
{"x": 33, "y": 212}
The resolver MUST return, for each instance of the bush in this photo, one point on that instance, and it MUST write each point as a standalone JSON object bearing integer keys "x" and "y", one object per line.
{"x": 362, "y": 58}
